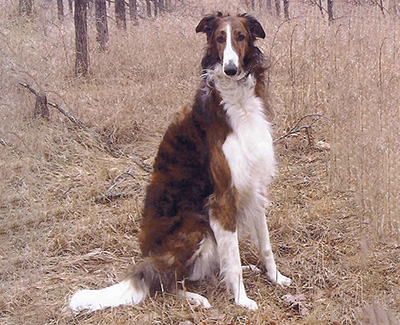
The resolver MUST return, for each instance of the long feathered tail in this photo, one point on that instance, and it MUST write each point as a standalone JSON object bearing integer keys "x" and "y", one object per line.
{"x": 142, "y": 281}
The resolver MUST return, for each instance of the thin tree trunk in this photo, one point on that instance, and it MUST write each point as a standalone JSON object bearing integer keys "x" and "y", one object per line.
{"x": 161, "y": 6}
{"x": 155, "y": 3}
{"x": 70, "y": 2}
{"x": 120, "y": 15}
{"x": 25, "y": 7}
{"x": 278, "y": 7}
{"x": 269, "y": 6}
{"x": 393, "y": 7}
{"x": 81, "y": 42}
{"x": 148, "y": 7}
{"x": 286, "y": 9}
{"x": 60, "y": 9}
{"x": 101, "y": 23}
{"x": 133, "y": 10}
{"x": 330, "y": 11}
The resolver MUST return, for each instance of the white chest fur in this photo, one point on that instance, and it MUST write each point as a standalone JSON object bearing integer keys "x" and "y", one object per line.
{"x": 248, "y": 149}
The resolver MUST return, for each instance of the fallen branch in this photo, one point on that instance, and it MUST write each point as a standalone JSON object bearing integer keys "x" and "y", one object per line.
{"x": 107, "y": 146}
{"x": 68, "y": 115}
{"x": 59, "y": 108}
{"x": 297, "y": 128}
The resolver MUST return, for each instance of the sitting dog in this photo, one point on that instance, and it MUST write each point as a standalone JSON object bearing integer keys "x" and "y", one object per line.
{"x": 209, "y": 181}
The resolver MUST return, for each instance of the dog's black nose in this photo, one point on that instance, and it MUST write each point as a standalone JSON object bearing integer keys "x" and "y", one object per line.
{"x": 230, "y": 69}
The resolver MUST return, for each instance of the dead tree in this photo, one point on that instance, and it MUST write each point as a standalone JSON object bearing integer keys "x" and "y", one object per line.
{"x": 101, "y": 23}
{"x": 70, "y": 5}
{"x": 60, "y": 9}
{"x": 120, "y": 15}
{"x": 330, "y": 11}
{"x": 81, "y": 40}
{"x": 25, "y": 7}
{"x": 268, "y": 4}
{"x": 278, "y": 7}
{"x": 286, "y": 9}
{"x": 393, "y": 8}
{"x": 148, "y": 7}
{"x": 133, "y": 10}
{"x": 41, "y": 108}
{"x": 155, "y": 3}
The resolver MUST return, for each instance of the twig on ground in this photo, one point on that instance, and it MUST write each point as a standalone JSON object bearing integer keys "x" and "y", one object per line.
{"x": 111, "y": 197}
{"x": 297, "y": 128}
{"x": 3, "y": 142}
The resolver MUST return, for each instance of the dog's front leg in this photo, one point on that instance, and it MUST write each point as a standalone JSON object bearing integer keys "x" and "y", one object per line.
{"x": 223, "y": 216}
{"x": 266, "y": 255}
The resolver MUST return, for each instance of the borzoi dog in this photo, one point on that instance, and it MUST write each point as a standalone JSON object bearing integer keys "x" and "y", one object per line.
{"x": 209, "y": 181}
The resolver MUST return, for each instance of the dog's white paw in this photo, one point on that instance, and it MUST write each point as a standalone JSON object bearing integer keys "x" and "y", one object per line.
{"x": 247, "y": 303}
{"x": 198, "y": 301}
{"x": 194, "y": 299}
{"x": 280, "y": 279}
{"x": 84, "y": 299}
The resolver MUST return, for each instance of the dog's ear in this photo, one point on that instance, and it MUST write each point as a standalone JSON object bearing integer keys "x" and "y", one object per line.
{"x": 254, "y": 26}
{"x": 207, "y": 24}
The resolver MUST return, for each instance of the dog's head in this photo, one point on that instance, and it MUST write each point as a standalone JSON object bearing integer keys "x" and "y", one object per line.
{"x": 229, "y": 40}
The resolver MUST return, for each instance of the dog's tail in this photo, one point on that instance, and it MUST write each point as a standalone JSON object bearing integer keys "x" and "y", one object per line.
{"x": 143, "y": 280}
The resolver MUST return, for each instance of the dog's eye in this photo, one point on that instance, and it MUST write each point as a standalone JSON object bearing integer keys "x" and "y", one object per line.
{"x": 221, "y": 39}
{"x": 241, "y": 37}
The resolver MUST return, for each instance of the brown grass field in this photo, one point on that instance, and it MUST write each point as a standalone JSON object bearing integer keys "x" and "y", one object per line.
{"x": 334, "y": 217}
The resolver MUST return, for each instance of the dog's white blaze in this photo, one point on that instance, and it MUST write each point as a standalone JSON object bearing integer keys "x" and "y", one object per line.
{"x": 249, "y": 152}
{"x": 230, "y": 56}
{"x": 123, "y": 293}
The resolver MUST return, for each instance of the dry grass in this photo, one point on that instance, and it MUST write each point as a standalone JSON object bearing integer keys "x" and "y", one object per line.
{"x": 334, "y": 218}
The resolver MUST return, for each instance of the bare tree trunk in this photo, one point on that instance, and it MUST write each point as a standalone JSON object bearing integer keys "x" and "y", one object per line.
{"x": 70, "y": 2}
{"x": 120, "y": 15}
{"x": 81, "y": 42}
{"x": 269, "y": 6}
{"x": 133, "y": 10}
{"x": 25, "y": 7}
{"x": 155, "y": 3}
{"x": 253, "y": 4}
{"x": 278, "y": 7}
{"x": 148, "y": 7}
{"x": 286, "y": 9}
{"x": 161, "y": 5}
{"x": 330, "y": 11}
{"x": 60, "y": 9}
{"x": 393, "y": 8}
{"x": 101, "y": 23}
